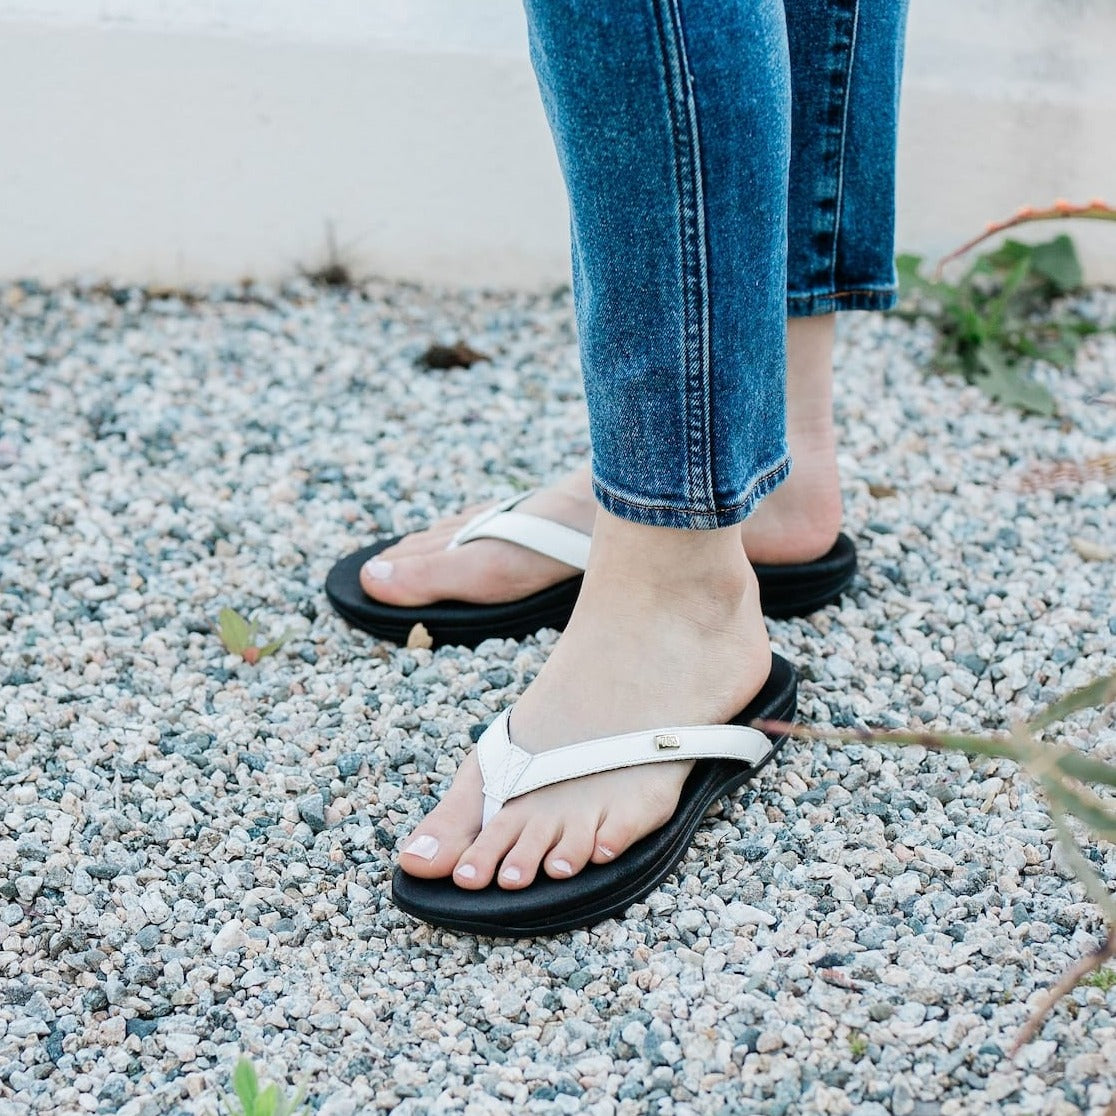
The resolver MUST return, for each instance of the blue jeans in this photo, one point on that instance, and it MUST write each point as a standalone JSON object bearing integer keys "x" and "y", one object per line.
{"x": 728, "y": 163}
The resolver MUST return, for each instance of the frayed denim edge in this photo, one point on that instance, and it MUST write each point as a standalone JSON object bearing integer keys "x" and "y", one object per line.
{"x": 632, "y": 508}
{"x": 829, "y": 302}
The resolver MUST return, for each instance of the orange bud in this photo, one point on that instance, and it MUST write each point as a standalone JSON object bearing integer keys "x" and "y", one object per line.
{"x": 1025, "y": 211}
{"x": 251, "y": 655}
{"x": 1064, "y": 206}
{"x": 1098, "y": 203}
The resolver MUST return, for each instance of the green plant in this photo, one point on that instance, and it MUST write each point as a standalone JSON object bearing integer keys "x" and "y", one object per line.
{"x": 257, "y": 1101}
{"x": 858, "y": 1045}
{"x": 239, "y": 637}
{"x": 1104, "y": 979}
{"x": 1002, "y": 314}
{"x": 1064, "y": 775}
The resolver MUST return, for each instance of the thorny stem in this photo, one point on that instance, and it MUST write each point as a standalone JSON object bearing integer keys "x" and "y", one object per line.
{"x": 1045, "y": 764}
{"x": 1088, "y": 964}
{"x": 1096, "y": 210}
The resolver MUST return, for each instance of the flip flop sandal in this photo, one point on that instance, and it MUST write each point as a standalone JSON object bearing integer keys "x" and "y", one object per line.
{"x": 725, "y": 757}
{"x": 786, "y": 590}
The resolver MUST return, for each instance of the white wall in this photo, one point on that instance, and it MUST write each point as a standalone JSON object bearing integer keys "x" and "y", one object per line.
{"x": 189, "y": 140}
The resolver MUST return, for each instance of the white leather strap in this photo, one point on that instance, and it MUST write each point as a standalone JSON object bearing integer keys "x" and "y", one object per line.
{"x": 555, "y": 540}
{"x": 508, "y": 771}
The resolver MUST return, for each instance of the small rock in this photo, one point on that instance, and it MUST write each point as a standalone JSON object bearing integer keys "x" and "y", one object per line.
{"x": 311, "y": 808}
{"x": 230, "y": 937}
{"x": 769, "y": 1041}
{"x": 349, "y": 764}
{"x": 28, "y": 887}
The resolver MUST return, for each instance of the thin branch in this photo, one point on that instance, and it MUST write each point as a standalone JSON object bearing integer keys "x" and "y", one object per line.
{"x": 993, "y": 747}
{"x": 1088, "y": 964}
{"x": 1093, "y": 884}
{"x": 1096, "y": 209}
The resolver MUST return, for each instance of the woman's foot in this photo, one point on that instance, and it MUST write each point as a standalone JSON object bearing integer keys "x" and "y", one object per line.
{"x": 667, "y": 631}
{"x": 798, "y": 522}
{"x": 419, "y": 569}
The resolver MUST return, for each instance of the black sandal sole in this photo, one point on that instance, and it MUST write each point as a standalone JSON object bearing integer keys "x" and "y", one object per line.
{"x": 601, "y": 891}
{"x": 791, "y": 590}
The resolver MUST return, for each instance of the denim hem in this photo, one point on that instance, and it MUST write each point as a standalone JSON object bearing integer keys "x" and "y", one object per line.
{"x": 637, "y": 510}
{"x": 829, "y": 302}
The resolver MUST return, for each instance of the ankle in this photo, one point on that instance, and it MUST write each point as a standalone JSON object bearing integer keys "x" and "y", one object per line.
{"x": 663, "y": 563}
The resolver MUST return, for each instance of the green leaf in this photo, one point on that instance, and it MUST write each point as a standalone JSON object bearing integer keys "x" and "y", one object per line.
{"x": 288, "y": 1108}
{"x": 1094, "y": 885}
{"x": 267, "y": 1103}
{"x": 1056, "y": 260}
{"x": 245, "y": 1082}
{"x": 234, "y": 631}
{"x": 1087, "y": 769}
{"x": 1093, "y": 695}
{"x": 997, "y": 309}
{"x": 1008, "y": 385}
{"x": 1009, "y": 254}
{"x": 906, "y": 269}
{"x": 1088, "y": 809}
{"x": 275, "y": 644}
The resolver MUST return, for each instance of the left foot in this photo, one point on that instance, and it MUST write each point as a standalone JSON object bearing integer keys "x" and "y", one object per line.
{"x": 667, "y": 631}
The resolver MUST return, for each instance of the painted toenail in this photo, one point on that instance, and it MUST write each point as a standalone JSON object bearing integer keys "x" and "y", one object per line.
{"x": 465, "y": 872}
{"x": 562, "y": 867}
{"x": 604, "y": 850}
{"x": 425, "y": 847}
{"x": 378, "y": 569}
{"x": 512, "y": 874}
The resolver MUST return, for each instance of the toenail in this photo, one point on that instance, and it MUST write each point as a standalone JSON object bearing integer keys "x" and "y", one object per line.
{"x": 604, "y": 850}
{"x": 378, "y": 569}
{"x": 562, "y": 867}
{"x": 425, "y": 847}
{"x": 512, "y": 874}
{"x": 465, "y": 872}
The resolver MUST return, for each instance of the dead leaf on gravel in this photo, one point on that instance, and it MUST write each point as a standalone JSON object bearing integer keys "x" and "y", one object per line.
{"x": 882, "y": 491}
{"x": 1091, "y": 551}
{"x": 839, "y": 979}
{"x": 419, "y": 637}
{"x": 1064, "y": 475}
{"x": 458, "y": 355}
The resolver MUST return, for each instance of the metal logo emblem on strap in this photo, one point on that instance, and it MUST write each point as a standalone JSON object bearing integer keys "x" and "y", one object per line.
{"x": 666, "y": 740}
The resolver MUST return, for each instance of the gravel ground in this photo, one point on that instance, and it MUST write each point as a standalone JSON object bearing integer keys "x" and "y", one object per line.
{"x": 196, "y": 852}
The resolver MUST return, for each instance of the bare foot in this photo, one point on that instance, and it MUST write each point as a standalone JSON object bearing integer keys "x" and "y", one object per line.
{"x": 419, "y": 569}
{"x": 682, "y": 641}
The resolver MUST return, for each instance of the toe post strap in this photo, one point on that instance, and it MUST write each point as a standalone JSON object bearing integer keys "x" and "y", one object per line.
{"x": 509, "y": 771}
{"x": 555, "y": 540}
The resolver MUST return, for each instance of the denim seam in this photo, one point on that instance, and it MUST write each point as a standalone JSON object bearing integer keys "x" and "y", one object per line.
{"x": 848, "y": 292}
{"x": 693, "y": 250}
{"x": 847, "y": 96}
{"x": 724, "y": 515}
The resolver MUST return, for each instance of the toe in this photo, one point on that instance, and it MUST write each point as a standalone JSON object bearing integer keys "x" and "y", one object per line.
{"x": 572, "y": 852}
{"x": 521, "y": 864}
{"x": 409, "y": 580}
{"x": 436, "y": 845}
{"x": 512, "y": 831}
{"x": 615, "y": 833}
{"x": 625, "y": 821}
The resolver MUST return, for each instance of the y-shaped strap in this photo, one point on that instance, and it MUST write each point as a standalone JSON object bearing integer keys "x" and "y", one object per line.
{"x": 508, "y": 771}
{"x": 555, "y": 540}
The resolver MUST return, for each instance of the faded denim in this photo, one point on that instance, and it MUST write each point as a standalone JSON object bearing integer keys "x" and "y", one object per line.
{"x": 728, "y": 163}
